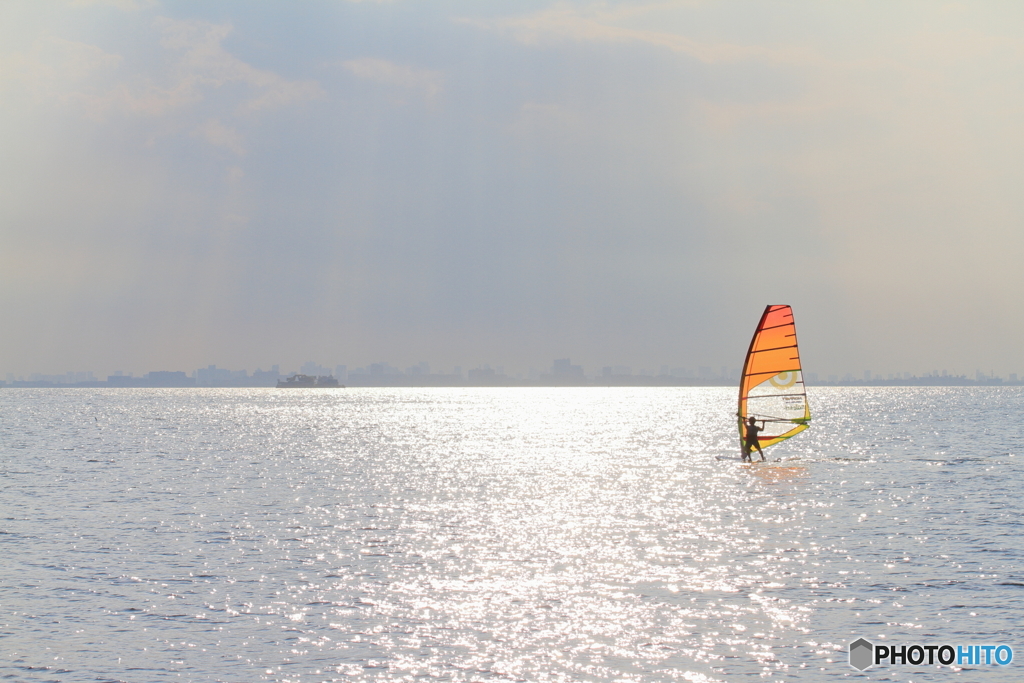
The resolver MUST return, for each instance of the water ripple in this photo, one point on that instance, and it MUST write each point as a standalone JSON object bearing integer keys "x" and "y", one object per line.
{"x": 509, "y": 534}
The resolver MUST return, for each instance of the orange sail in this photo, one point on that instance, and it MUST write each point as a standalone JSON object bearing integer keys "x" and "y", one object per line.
{"x": 772, "y": 384}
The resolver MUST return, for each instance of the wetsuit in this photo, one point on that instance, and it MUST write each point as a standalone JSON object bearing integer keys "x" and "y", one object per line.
{"x": 750, "y": 440}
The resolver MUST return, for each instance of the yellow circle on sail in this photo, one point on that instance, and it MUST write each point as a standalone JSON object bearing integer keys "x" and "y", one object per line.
{"x": 783, "y": 380}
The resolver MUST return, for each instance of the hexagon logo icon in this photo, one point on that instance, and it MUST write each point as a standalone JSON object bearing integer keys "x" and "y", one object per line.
{"x": 862, "y": 654}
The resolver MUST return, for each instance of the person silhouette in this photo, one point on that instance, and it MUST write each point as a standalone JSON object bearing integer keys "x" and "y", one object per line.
{"x": 750, "y": 438}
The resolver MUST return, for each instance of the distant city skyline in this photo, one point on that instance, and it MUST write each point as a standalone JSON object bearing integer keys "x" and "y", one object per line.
{"x": 558, "y": 372}
{"x": 683, "y": 370}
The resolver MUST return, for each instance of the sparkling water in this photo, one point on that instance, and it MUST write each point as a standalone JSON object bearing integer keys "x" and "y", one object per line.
{"x": 531, "y": 534}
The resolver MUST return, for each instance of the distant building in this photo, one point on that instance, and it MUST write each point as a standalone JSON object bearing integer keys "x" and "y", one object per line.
{"x": 563, "y": 372}
{"x": 212, "y": 376}
{"x": 315, "y": 370}
{"x": 167, "y": 378}
{"x": 488, "y": 376}
{"x": 267, "y": 378}
{"x": 384, "y": 369}
{"x": 561, "y": 367}
{"x": 68, "y": 378}
{"x": 421, "y": 368}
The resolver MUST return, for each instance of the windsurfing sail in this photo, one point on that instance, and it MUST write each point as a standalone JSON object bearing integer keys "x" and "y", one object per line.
{"x": 772, "y": 383}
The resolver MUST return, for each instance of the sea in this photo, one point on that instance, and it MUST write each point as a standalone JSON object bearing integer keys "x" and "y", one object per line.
{"x": 504, "y": 534}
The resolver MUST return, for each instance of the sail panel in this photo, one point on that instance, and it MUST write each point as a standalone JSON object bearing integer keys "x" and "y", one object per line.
{"x": 772, "y": 386}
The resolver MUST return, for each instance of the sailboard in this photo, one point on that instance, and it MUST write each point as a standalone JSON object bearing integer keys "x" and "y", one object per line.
{"x": 772, "y": 385}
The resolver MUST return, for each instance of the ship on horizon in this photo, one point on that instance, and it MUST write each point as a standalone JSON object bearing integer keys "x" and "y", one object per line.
{"x": 298, "y": 381}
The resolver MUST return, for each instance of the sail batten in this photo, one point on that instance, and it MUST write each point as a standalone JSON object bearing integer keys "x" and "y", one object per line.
{"x": 773, "y": 377}
{"x": 777, "y": 348}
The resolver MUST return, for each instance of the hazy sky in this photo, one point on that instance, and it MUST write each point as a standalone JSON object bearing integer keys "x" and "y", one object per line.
{"x": 248, "y": 183}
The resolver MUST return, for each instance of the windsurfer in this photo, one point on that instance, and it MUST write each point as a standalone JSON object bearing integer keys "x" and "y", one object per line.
{"x": 750, "y": 438}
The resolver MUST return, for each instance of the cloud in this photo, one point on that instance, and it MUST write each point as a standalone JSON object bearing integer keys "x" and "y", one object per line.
{"x": 127, "y": 5}
{"x": 59, "y": 69}
{"x": 569, "y": 23}
{"x": 401, "y": 75}
{"x": 216, "y": 133}
{"x": 205, "y": 63}
{"x": 75, "y": 72}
